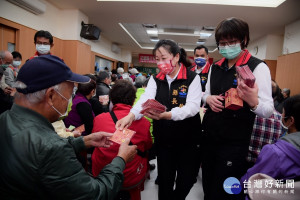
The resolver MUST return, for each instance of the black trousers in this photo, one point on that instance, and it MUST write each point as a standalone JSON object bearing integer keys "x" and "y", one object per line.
{"x": 180, "y": 163}
{"x": 220, "y": 163}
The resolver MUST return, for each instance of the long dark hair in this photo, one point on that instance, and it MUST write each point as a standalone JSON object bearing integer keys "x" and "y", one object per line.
{"x": 173, "y": 49}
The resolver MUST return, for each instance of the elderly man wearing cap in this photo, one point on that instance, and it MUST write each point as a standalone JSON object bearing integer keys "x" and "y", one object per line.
{"x": 35, "y": 162}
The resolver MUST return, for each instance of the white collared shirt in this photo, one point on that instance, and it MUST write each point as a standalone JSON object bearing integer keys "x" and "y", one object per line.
{"x": 191, "y": 107}
{"x": 265, "y": 105}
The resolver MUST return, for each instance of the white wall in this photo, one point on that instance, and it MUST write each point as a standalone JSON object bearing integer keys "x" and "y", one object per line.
{"x": 268, "y": 47}
{"x": 291, "y": 42}
{"x": 63, "y": 24}
{"x": 258, "y": 48}
{"x": 274, "y": 47}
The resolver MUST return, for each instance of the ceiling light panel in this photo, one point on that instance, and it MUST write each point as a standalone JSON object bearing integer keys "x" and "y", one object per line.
{"x": 152, "y": 32}
{"x": 252, "y": 3}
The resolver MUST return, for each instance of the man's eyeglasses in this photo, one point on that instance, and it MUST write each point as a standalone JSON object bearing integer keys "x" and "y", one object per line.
{"x": 43, "y": 43}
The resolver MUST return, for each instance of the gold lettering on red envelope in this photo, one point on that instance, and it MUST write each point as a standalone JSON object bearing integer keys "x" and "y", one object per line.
{"x": 232, "y": 99}
{"x": 120, "y": 136}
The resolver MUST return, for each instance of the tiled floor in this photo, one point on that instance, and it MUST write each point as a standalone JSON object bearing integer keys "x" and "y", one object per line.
{"x": 150, "y": 192}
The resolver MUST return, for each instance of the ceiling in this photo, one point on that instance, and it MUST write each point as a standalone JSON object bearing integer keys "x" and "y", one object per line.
{"x": 174, "y": 19}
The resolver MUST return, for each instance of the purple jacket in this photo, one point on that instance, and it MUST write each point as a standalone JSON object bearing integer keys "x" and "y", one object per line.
{"x": 73, "y": 117}
{"x": 280, "y": 160}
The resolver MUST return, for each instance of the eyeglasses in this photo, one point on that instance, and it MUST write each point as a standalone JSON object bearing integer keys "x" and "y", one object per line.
{"x": 43, "y": 43}
{"x": 230, "y": 43}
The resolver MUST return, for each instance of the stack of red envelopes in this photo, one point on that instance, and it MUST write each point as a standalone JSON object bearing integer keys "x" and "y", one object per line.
{"x": 246, "y": 74}
{"x": 153, "y": 105}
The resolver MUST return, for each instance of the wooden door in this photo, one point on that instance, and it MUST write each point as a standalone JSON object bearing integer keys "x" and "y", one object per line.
{"x": 7, "y": 38}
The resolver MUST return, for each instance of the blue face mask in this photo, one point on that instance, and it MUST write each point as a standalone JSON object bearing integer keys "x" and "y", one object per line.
{"x": 230, "y": 52}
{"x": 200, "y": 62}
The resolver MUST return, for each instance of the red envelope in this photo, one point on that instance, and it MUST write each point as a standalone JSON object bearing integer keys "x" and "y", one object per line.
{"x": 246, "y": 74}
{"x": 120, "y": 136}
{"x": 152, "y": 104}
{"x": 80, "y": 128}
{"x": 232, "y": 99}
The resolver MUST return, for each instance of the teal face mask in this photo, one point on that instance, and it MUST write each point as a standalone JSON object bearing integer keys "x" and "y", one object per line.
{"x": 4, "y": 66}
{"x": 230, "y": 52}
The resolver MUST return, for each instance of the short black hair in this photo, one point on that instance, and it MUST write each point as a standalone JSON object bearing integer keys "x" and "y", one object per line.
{"x": 286, "y": 91}
{"x": 201, "y": 47}
{"x": 86, "y": 88}
{"x": 291, "y": 108}
{"x": 114, "y": 77}
{"x": 16, "y": 54}
{"x": 102, "y": 76}
{"x": 44, "y": 34}
{"x": 233, "y": 28}
{"x": 123, "y": 92}
{"x": 114, "y": 71}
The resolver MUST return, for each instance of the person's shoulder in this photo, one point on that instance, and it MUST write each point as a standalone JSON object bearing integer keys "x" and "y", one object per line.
{"x": 102, "y": 116}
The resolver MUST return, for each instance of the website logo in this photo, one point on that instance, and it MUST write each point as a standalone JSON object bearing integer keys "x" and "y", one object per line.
{"x": 232, "y": 186}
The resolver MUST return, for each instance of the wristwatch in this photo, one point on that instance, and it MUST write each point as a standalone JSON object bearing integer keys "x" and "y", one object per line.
{"x": 254, "y": 108}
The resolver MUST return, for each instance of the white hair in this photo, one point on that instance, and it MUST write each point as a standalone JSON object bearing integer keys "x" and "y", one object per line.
{"x": 120, "y": 70}
{"x": 34, "y": 97}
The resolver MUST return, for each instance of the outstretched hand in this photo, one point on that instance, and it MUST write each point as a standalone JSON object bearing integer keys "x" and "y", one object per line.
{"x": 125, "y": 121}
{"x": 98, "y": 139}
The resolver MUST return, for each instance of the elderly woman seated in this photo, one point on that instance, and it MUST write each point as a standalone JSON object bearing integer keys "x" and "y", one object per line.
{"x": 122, "y": 96}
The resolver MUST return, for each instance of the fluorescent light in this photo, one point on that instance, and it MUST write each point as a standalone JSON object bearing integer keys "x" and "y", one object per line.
{"x": 200, "y": 43}
{"x": 152, "y": 32}
{"x": 253, "y": 3}
{"x": 172, "y": 33}
{"x": 205, "y": 35}
{"x": 154, "y": 39}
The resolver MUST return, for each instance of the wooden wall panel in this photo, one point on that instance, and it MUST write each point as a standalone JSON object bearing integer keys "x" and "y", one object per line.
{"x": 84, "y": 59}
{"x": 288, "y": 72}
{"x": 58, "y": 46}
{"x": 272, "y": 64}
{"x": 69, "y": 54}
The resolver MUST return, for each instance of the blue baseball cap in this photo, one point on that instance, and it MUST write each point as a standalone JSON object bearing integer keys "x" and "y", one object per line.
{"x": 45, "y": 71}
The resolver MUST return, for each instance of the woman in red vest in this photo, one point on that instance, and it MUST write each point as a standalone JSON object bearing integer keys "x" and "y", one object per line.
{"x": 122, "y": 96}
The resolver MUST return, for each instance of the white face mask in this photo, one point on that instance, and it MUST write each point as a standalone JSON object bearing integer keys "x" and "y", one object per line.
{"x": 16, "y": 63}
{"x": 69, "y": 103}
{"x": 94, "y": 94}
{"x": 283, "y": 126}
{"x": 42, "y": 49}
